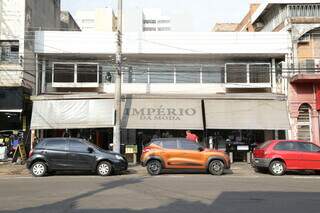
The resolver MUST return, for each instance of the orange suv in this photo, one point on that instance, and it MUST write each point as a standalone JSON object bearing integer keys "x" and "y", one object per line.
{"x": 180, "y": 153}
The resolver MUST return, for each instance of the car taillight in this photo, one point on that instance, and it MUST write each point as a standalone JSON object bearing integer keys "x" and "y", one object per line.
{"x": 31, "y": 153}
{"x": 259, "y": 153}
{"x": 146, "y": 150}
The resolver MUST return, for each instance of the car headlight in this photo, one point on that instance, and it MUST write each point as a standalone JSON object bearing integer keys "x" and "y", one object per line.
{"x": 119, "y": 157}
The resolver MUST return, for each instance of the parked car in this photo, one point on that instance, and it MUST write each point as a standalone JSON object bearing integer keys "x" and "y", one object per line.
{"x": 73, "y": 154}
{"x": 179, "y": 153}
{"x": 280, "y": 156}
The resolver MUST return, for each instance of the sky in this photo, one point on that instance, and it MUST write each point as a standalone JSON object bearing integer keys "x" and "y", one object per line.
{"x": 204, "y": 12}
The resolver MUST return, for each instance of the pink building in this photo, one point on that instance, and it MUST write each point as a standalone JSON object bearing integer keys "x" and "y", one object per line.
{"x": 303, "y": 107}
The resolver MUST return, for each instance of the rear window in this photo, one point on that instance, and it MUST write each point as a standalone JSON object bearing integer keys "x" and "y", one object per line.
{"x": 286, "y": 146}
{"x": 158, "y": 143}
{"x": 41, "y": 145}
{"x": 264, "y": 145}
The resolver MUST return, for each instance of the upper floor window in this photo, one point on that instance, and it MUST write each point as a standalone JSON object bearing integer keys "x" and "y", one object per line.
{"x": 248, "y": 73}
{"x": 149, "y": 21}
{"x": 9, "y": 51}
{"x": 76, "y": 73}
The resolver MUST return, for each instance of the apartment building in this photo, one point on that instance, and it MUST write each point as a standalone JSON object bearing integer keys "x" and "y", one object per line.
{"x": 154, "y": 20}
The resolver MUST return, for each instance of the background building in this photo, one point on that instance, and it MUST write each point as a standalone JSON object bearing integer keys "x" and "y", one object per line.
{"x": 67, "y": 22}
{"x": 100, "y": 19}
{"x": 154, "y": 20}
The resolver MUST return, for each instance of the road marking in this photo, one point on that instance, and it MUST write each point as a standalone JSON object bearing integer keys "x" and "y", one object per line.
{"x": 296, "y": 177}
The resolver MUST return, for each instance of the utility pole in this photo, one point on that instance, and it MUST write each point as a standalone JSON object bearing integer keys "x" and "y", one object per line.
{"x": 117, "y": 94}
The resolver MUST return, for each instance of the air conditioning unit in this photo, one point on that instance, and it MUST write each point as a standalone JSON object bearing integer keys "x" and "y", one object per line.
{"x": 317, "y": 65}
{"x": 258, "y": 26}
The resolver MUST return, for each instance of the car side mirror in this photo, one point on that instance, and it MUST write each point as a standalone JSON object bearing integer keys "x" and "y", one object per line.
{"x": 90, "y": 150}
{"x": 201, "y": 149}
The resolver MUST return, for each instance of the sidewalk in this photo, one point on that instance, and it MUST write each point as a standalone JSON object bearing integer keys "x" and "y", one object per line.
{"x": 237, "y": 169}
{"x": 8, "y": 168}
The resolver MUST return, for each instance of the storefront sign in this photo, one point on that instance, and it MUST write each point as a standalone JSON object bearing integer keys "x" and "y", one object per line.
{"x": 162, "y": 114}
{"x": 243, "y": 148}
{"x": 131, "y": 149}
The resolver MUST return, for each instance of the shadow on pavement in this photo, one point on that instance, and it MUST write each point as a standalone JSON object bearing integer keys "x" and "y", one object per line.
{"x": 226, "y": 202}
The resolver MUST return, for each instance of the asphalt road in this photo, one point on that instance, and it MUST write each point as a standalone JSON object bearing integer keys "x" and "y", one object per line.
{"x": 140, "y": 193}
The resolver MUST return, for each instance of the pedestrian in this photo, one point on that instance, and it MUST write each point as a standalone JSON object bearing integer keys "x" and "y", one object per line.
{"x": 192, "y": 137}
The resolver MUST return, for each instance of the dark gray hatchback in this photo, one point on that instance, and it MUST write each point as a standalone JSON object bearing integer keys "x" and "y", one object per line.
{"x": 73, "y": 154}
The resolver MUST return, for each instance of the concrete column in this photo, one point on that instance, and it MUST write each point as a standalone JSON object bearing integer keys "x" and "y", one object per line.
{"x": 273, "y": 76}
{"x": 43, "y": 77}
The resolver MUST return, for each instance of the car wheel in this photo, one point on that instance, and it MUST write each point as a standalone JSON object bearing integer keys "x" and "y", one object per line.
{"x": 154, "y": 167}
{"x": 104, "y": 168}
{"x": 216, "y": 167}
{"x": 39, "y": 169}
{"x": 277, "y": 168}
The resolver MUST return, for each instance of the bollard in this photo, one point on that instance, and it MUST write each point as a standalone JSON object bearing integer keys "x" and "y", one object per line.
{"x": 231, "y": 157}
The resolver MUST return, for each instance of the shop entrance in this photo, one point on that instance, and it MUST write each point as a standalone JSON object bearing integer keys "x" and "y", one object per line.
{"x": 240, "y": 142}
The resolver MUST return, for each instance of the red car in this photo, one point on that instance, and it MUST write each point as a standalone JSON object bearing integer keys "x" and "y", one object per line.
{"x": 281, "y": 155}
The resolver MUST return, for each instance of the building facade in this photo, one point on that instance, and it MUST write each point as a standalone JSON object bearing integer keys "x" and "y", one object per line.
{"x": 205, "y": 82}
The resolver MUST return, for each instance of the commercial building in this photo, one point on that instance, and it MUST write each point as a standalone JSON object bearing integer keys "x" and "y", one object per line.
{"x": 224, "y": 85}
{"x": 100, "y": 19}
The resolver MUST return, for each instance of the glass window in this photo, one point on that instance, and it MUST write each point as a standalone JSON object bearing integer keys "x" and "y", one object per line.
{"x": 236, "y": 73}
{"x": 286, "y": 146}
{"x": 161, "y": 74}
{"x": 188, "y": 145}
{"x": 63, "y": 73}
{"x": 188, "y": 74}
{"x": 308, "y": 147}
{"x": 212, "y": 74}
{"x": 56, "y": 144}
{"x": 87, "y": 73}
{"x": 135, "y": 74}
{"x": 169, "y": 144}
{"x": 77, "y": 146}
{"x": 259, "y": 73}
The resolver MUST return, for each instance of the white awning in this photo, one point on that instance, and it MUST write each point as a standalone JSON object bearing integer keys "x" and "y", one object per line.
{"x": 162, "y": 114}
{"x": 247, "y": 114}
{"x": 72, "y": 114}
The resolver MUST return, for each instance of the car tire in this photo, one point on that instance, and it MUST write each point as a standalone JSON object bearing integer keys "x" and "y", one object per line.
{"x": 104, "y": 168}
{"x": 277, "y": 168}
{"x": 216, "y": 167}
{"x": 39, "y": 169}
{"x": 154, "y": 167}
